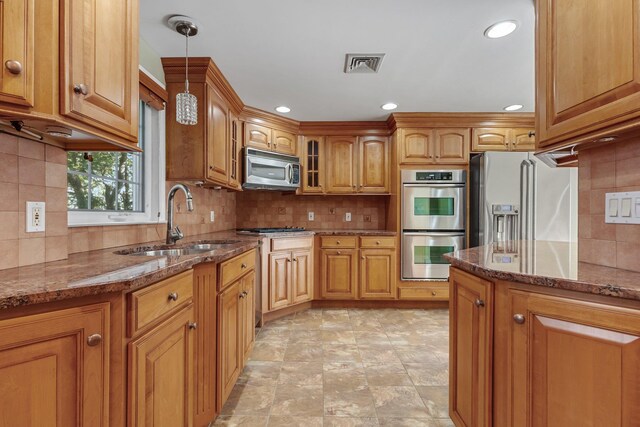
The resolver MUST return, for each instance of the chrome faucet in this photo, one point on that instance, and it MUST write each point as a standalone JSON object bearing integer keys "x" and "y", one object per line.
{"x": 174, "y": 234}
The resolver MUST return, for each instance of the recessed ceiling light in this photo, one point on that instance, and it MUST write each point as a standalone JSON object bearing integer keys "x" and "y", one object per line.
{"x": 501, "y": 29}
{"x": 514, "y": 107}
{"x": 389, "y": 106}
{"x": 283, "y": 109}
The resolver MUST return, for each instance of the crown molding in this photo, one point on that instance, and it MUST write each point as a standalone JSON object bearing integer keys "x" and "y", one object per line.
{"x": 472, "y": 120}
{"x": 265, "y": 118}
{"x": 354, "y": 128}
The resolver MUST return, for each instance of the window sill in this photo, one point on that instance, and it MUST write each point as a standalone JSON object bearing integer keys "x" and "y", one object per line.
{"x": 114, "y": 223}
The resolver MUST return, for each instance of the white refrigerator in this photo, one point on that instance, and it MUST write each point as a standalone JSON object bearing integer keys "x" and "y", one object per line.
{"x": 514, "y": 196}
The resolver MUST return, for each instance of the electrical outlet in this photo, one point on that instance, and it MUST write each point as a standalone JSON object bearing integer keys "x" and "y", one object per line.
{"x": 312, "y": 216}
{"x": 332, "y": 211}
{"x": 212, "y": 216}
{"x": 367, "y": 218}
{"x": 347, "y": 217}
{"x": 35, "y": 217}
{"x": 282, "y": 211}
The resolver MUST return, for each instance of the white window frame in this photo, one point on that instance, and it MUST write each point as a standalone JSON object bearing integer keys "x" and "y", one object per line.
{"x": 153, "y": 182}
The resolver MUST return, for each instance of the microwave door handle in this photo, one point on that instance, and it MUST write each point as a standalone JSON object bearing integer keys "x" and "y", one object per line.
{"x": 290, "y": 173}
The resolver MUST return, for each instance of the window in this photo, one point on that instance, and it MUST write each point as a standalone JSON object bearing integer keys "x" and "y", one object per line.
{"x": 120, "y": 187}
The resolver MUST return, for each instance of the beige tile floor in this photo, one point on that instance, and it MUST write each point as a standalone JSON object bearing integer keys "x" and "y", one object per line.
{"x": 344, "y": 368}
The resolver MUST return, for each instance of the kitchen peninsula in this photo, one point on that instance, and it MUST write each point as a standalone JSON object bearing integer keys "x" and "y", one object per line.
{"x": 538, "y": 338}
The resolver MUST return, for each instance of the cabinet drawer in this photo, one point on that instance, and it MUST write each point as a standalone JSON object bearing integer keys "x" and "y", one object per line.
{"x": 295, "y": 243}
{"x": 432, "y": 293}
{"x": 232, "y": 269}
{"x": 157, "y": 301}
{"x": 338, "y": 241}
{"x": 377, "y": 242}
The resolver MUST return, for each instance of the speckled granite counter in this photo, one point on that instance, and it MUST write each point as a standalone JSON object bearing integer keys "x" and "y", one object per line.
{"x": 98, "y": 272}
{"x": 355, "y": 233}
{"x": 549, "y": 264}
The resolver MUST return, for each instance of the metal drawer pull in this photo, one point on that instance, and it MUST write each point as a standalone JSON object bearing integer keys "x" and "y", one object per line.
{"x": 434, "y": 293}
{"x": 519, "y": 319}
{"x": 81, "y": 89}
{"x": 173, "y": 296}
{"x": 245, "y": 293}
{"x": 242, "y": 295}
{"x": 14, "y": 67}
{"x": 295, "y": 260}
{"x": 243, "y": 266}
{"x": 377, "y": 242}
{"x": 193, "y": 325}
{"x": 94, "y": 340}
{"x": 337, "y": 242}
{"x": 339, "y": 253}
{"x": 479, "y": 303}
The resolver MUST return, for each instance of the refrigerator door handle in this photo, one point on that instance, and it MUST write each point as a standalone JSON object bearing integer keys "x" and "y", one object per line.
{"x": 534, "y": 195}
{"x": 522, "y": 235}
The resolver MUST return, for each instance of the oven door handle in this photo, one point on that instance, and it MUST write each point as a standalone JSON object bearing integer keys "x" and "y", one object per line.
{"x": 434, "y": 185}
{"x": 432, "y": 233}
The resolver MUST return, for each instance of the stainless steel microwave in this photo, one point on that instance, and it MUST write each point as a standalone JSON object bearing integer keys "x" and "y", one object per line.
{"x": 264, "y": 170}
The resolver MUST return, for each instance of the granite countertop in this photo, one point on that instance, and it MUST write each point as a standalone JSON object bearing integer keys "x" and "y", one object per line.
{"x": 104, "y": 271}
{"x": 548, "y": 264}
{"x": 304, "y": 233}
{"x": 355, "y": 233}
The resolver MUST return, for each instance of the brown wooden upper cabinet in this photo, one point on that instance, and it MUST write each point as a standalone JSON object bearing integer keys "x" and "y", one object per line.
{"x": 265, "y": 138}
{"x": 209, "y": 151}
{"x": 373, "y": 165}
{"x": 587, "y": 81}
{"x": 503, "y": 139}
{"x": 357, "y": 165}
{"x": 312, "y": 159}
{"x": 17, "y": 52}
{"x": 99, "y": 66}
{"x": 434, "y": 146}
{"x": 342, "y": 156}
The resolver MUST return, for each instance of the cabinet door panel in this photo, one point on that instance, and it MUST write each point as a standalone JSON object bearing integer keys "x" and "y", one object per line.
{"x": 229, "y": 340}
{"x": 490, "y": 139}
{"x": 17, "y": 45}
{"x": 377, "y": 273}
{"x": 279, "y": 279}
{"x": 578, "y": 361}
{"x": 248, "y": 314}
{"x": 302, "y": 283}
{"x": 471, "y": 308}
{"x": 341, "y": 164}
{"x": 257, "y": 136}
{"x": 339, "y": 274}
{"x": 452, "y": 146}
{"x": 374, "y": 165}
{"x": 49, "y": 375}
{"x": 100, "y": 51}
{"x": 416, "y": 146}
{"x": 161, "y": 366}
{"x": 522, "y": 140}
{"x": 235, "y": 152}
{"x": 217, "y": 147}
{"x": 586, "y": 79}
{"x": 312, "y": 165}
{"x": 284, "y": 142}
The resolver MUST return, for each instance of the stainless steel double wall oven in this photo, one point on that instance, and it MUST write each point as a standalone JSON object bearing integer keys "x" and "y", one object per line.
{"x": 433, "y": 221}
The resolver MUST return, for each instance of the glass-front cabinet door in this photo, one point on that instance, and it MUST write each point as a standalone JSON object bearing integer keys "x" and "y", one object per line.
{"x": 312, "y": 160}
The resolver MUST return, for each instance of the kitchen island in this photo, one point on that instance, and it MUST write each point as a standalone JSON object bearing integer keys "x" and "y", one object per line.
{"x": 540, "y": 339}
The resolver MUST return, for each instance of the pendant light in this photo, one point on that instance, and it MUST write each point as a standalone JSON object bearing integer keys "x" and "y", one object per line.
{"x": 186, "y": 103}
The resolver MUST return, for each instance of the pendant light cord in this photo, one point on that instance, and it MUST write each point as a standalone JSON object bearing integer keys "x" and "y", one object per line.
{"x": 186, "y": 74}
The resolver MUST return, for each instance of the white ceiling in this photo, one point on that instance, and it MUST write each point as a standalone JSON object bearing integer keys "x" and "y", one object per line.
{"x": 291, "y": 52}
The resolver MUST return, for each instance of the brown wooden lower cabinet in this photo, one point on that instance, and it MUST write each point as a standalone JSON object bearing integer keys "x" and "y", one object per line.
{"x": 338, "y": 273}
{"x": 559, "y": 358}
{"x": 161, "y": 374}
{"x": 377, "y": 273}
{"x": 248, "y": 306}
{"x": 54, "y": 368}
{"x": 289, "y": 279}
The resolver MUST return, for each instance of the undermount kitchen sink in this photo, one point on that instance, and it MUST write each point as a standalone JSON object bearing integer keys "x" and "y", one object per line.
{"x": 192, "y": 249}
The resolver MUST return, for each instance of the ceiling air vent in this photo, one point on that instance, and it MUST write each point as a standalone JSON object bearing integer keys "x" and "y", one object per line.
{"x": 363, "y": 63}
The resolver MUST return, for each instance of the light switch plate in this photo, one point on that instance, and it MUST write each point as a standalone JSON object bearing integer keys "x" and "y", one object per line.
{"x": 622, "y": 208}
{"x": 35, "y": 217}
{"x": 347, "y": 217}
{"x": 312, "y": 216}
{"x": 212, "y": 216}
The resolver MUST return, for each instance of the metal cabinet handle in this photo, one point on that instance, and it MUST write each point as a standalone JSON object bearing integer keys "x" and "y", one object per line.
{"x": 245, "y": 293}
{"x": 519, "y": 319}
{"x": 80, "y": 89}
{"x": 339, "y": 253}
{"x": 479, "y": 303}
{"x": 434, "y": 293}
{"x": 243, "y": 266}
{"x": 193, "y": 325}
{"x": 337, "y": 242}
{"x": 14, "y": 67}
{"x": 173, "y": 296}
{"x": 295, "y": 260}
{"x": 241, "y": 296}
{"x": 532, "y": 134}
{"x": 377, "y": 242}
{"x": 94, "y": 340}
{"x": 362, "y": 256}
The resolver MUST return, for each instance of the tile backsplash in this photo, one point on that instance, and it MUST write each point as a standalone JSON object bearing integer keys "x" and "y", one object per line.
{"x": 31, "y": 171}
{"x": 612, "y": 168}
{"x": 275, "y": 209}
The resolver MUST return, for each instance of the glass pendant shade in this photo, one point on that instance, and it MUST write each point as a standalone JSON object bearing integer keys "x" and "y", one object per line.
{"x": 186, "y": 109}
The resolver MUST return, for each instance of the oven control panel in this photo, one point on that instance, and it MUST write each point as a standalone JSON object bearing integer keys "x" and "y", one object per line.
{"x": 434, "y": 176}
